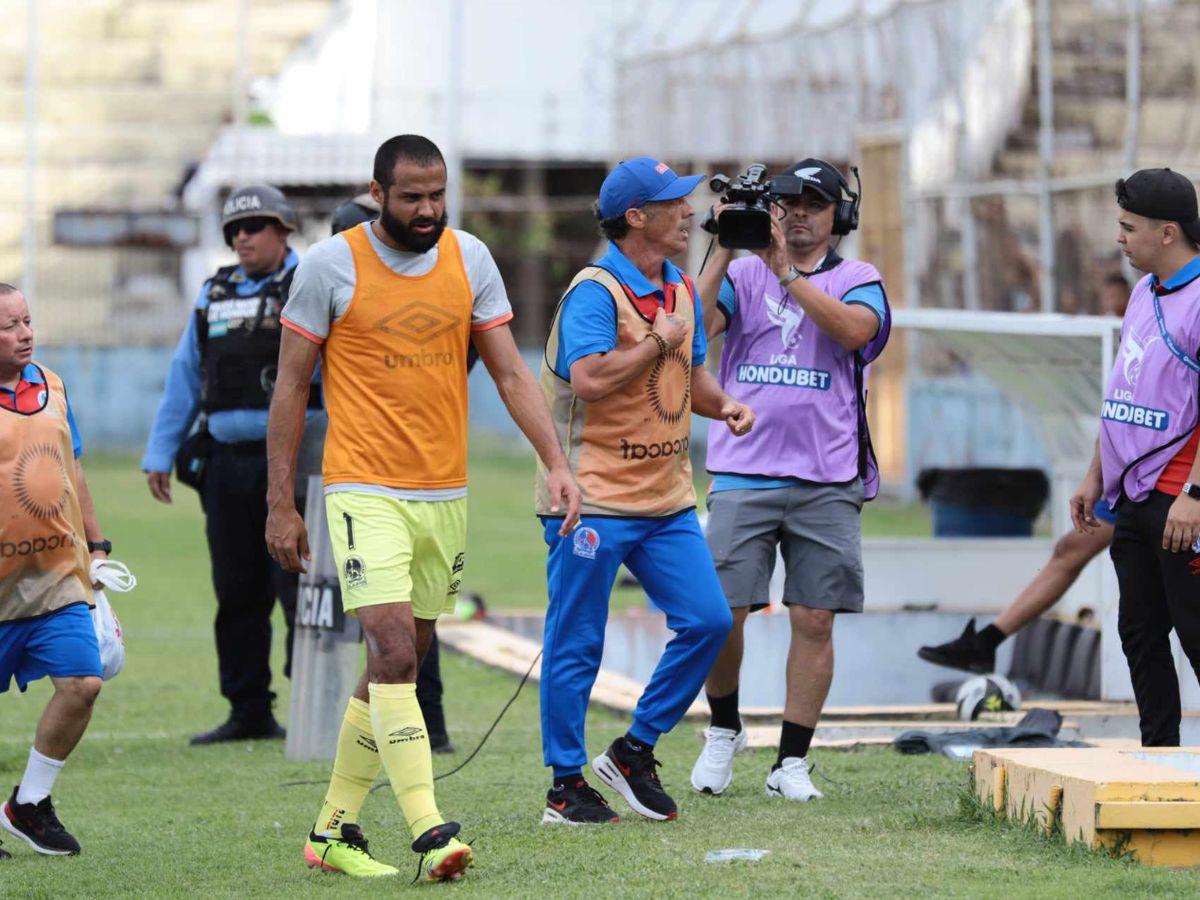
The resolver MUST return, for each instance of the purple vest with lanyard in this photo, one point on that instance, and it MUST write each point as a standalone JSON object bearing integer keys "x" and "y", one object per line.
{"x": 807, "y": 391}
{"x": 1150, "y": 408}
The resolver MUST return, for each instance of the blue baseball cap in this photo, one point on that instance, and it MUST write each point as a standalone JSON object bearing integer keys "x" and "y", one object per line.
{"x": 641, "y": 180}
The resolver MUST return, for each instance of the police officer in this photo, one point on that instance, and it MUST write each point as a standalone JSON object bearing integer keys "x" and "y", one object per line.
{"x": 223, "y": 371}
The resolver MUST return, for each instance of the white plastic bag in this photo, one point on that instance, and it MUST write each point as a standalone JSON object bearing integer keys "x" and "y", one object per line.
{"x": 116, "y": 577}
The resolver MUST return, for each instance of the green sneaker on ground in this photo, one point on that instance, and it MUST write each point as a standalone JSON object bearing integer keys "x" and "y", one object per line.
{"x": 347, "y": 855}
{"x": 443, "y": 856}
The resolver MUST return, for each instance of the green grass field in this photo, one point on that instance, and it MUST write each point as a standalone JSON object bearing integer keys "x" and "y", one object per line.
{"x": 158, "y": 818}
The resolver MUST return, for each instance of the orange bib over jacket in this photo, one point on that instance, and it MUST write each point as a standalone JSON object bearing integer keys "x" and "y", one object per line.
{"x": 629, "y": 450}
{"x": 43, "y": 550}
{"x": 395, "y": 374}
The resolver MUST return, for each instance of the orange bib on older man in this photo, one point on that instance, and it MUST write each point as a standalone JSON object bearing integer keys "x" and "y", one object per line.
{"x": 395, "y": 374}
{"x": 43, "y": 550}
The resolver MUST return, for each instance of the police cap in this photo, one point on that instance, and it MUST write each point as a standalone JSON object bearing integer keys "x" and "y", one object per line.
{"x": 257, "y": 201}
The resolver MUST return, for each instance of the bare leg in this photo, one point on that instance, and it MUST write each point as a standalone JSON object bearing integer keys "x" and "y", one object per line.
{"x": 809, "y": 664}
{"x": 726, "y": 671}
{"x": 1071, "y": 553}
{"x": 67, "y": 715}
{"x": 424, "y": 629}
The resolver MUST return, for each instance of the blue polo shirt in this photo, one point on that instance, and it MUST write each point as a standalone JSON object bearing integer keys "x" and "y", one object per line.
{"x": 1186, "y": 275}
{"x": 180, "y": 404}
{"x": 27, "y": 398}
{"x": 588, "y": 321}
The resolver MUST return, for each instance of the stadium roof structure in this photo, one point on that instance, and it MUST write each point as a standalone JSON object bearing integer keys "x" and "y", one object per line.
{"x": 734, "y": 80}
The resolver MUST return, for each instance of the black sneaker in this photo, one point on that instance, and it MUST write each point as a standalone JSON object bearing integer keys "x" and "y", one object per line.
{"x": 235, "y": 729}
{"x": 966, "y": 653}
{"x": 440, "y": 743}
{"x": 577, "y": 803}
{"x": 632, "y": 775}
{"x": 4, "y": 854}
{"x": 38, "y": 826}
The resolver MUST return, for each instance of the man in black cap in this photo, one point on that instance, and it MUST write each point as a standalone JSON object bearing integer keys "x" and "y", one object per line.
{"x": 1146, "y": 464}
{"x": 224, "y": 371}
{"x": 801, "y": 325}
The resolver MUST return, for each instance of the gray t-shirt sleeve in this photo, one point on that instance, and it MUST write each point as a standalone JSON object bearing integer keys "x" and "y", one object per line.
{"x": 321, "y": 288}
{"x": 490, "y": 298}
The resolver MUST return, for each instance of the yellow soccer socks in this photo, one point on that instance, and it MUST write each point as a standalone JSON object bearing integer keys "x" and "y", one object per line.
{"x": 404, "y": 748}
{"x": 354, "y": 770}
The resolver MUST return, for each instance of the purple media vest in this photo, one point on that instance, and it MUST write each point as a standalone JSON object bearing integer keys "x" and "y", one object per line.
{"x": 807, "y": 391}
{"x": 1150, "y": 408}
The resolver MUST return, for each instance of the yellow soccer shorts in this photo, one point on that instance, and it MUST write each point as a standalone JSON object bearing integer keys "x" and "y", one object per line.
{"x": 398, "y": 551}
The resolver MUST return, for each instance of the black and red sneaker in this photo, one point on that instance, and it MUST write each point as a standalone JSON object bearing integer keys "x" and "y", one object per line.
{"x": 631, "y": 773}
{"x": 38, "y": 826}
{"x": 577, "y": 803}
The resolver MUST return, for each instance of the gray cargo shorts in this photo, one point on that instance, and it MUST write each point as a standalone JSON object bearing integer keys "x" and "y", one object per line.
{"x": 816, "y": 526}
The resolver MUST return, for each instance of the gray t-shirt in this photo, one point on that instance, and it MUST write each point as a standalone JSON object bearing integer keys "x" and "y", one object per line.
{"x": 324, "y": 285}
{"x": 324, "y": 281}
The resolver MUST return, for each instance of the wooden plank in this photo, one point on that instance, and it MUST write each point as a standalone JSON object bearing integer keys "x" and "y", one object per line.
{"x": 1177, "y": 814}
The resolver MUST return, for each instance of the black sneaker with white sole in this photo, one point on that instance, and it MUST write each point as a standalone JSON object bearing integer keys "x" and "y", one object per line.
{"x": 38, "y": 826}
{"x": 632, "y": 774}
{"x": 577, "y": 803}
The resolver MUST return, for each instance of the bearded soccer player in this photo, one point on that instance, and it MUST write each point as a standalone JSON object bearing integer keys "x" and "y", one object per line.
{"x": 623, "y": 372}
{"x": 1146, "y": 465}
{"x": 48, "y": 528}
{"x": 391, "y": 305}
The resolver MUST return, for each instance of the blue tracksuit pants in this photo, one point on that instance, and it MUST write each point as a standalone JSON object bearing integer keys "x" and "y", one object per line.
{"x": 671, "y": 560}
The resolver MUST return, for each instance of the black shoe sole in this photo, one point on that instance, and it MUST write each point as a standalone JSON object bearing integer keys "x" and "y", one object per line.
{"x": 932, "y": 656}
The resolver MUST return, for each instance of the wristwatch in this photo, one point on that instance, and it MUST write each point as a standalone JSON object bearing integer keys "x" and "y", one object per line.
{"x": 104, "y": 546}
{"x": 1192, "y": 490}
{"x": 793, "y": 273}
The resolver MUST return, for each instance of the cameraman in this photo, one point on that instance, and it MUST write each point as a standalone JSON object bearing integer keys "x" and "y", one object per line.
{"x": 801, "y": 326}
{"x": 224, "y": 370}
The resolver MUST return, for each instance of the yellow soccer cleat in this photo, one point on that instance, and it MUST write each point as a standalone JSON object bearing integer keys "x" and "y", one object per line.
{"x": 347, "y": 855}
{"x": 443, "y": 856}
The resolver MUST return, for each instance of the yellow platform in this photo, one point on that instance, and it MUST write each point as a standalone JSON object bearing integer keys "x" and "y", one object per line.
{"x": 1144, "y": 800}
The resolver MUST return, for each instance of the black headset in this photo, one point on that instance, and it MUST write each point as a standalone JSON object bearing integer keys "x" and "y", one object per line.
{"x": 845, "y": 212}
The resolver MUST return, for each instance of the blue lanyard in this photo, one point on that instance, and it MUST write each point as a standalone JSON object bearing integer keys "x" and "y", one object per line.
{"x": 1170, "y": 341}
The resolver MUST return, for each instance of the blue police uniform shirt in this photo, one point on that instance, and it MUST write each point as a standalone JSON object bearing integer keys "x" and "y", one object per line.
{"x": 180, "y": 404}
{"x": 33, "y": 375}
{"x": 868, "y": 295}
{"x": 588, "y": 323}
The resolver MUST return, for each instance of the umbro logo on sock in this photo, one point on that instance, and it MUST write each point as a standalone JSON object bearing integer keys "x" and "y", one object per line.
{"x": 406, "y": 735}
{"x": 366, "y": 743}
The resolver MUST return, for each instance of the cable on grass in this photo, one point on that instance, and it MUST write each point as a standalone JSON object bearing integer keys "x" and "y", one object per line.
{"x": 474, "y": 753}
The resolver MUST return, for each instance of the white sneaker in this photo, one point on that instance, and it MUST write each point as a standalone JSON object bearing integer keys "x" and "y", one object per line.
{"x": 791, "y": 782}
{"x": 713, "y": 770}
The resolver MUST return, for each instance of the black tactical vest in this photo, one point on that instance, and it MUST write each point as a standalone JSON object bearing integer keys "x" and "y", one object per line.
{"x": 239, "y": 342}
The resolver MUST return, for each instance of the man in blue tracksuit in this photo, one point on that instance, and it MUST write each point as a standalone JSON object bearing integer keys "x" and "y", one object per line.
{"x": 224, "y": 370}
{"x": 622, "y": 374}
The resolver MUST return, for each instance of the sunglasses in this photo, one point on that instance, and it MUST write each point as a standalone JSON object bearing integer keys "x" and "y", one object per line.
{"x": 250, "y": 226}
